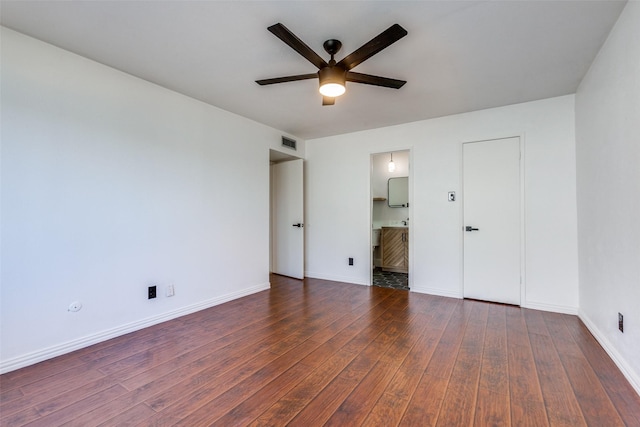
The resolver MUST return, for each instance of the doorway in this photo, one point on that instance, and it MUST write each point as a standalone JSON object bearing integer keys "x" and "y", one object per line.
{"x": 286, "y": 219}
{"x": 390, "y": 219}
{"x": 492, "y": 220}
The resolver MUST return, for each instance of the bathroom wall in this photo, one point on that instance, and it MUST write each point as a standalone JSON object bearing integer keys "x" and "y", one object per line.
{"x": 382, "y": 214}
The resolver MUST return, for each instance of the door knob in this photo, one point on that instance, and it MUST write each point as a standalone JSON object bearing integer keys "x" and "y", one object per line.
{"x": 469, "y": 228}
{"x": 299, "y": 225}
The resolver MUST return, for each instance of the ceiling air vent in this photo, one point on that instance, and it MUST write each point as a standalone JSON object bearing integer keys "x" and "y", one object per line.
{"x": 291, "y": 143}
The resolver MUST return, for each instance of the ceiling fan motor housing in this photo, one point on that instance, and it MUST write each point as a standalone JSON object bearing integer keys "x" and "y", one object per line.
{"x": 332, "y": 74}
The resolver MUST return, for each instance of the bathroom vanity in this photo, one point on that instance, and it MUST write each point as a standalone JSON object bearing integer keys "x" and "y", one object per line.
{"x": 394, "y": 243}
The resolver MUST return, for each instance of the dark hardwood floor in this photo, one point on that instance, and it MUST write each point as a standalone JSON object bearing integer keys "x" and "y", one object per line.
{"x": 325, "y": 353}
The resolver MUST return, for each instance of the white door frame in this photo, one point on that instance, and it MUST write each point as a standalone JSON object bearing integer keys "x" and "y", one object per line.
{"x": 411, "y": 217}
{"x": 273, "y": 240}
{"x": 523, "y": 275}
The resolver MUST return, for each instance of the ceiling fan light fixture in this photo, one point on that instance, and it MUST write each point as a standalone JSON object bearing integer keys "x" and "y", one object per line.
{"x": 332, "y": 81}
{"x": 332, "y": 89}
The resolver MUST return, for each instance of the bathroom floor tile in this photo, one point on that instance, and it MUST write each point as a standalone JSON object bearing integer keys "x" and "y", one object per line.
{"x": 387, "y": 279}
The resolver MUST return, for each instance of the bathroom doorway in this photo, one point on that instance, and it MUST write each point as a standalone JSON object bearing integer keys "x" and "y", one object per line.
{"x": 390, "y": 219}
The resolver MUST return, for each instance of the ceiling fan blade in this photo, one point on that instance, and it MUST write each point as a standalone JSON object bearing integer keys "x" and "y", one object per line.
{"x": 296, "y": 44}
{"x": 374, "y": 80}
{"x": 375, "y": 45}
{"x": 328, "y": 100}
{"x": 287, "y": 79}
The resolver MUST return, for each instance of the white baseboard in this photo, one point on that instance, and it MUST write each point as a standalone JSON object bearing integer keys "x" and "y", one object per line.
{"x": 345, "y": 279}
{"x": 60, "y": 349}
{"x": 550, "y": 307}
{"x": 627, "y": 371}
{"x": 437, "y": 291}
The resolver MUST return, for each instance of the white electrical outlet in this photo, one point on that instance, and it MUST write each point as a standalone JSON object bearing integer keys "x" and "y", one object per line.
{"x": 75, "y": 306}
{"x": 170, "y": 290}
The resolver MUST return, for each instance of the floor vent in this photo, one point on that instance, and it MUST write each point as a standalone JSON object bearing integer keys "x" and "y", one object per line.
{"x": 291, "y": 143}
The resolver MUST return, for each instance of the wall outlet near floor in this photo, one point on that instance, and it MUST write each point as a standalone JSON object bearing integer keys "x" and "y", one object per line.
{"x": 350, "y": 261}
{"x": 621, "y": 322}
{"x": 170, "y": 290}
{"x": 151, "y": 294}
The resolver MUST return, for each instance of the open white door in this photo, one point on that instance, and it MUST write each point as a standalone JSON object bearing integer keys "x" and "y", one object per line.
{"x": 288, "y": 209}
{"x": 491, "y": 186}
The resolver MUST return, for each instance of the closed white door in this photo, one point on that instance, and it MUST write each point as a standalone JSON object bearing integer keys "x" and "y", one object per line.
{"x": 491, "y": 197}
{"x": 288, "y": 231}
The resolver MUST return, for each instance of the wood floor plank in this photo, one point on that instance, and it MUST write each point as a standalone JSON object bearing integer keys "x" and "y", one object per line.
{"x": 414, "y": 364}
{"x": 617, "y": 387}
{"x": 443, "y": 359}
{"x": 492, "y": 409}
{"x": 406, "y": 337}
{"x": 56, "y": 396}
{"x": 356, "y": 407}
{"x": 20, "y": 418}
{"x": 205, "y": 374}
{"x": 251, "y": 406}
{"x": 230, "y": 394}
{"x": 535, "y": 322}
{"x": 459, "y": 404}
{"x": 561, "y": 403}
{"x": 112, "y": 410}
{"x": 21, "y": 377}
{"x": 218, "y": 348}
{"x": 527, "y": 403}
{"x": 318, "y": 411}
{"x": 63, "y": 380}
{"x": 387, "y": 411}
{"x": 493, "y": 406}
{"x": 9, "y": 395}
{"x": 314, "y": 352}
{"x": 352, "y": 334}
{"x": 132, "y": 416}
{"x": 494, "y": 373}
{"x": 426, "y": 401}
{"x": 523, "y": 378}
{"x": 287, "y": 407}
{"x": 529, "y": 413}
{"x": 232, "y": 353}
{"x": 65, "y": 412}
{"x": 184, "y": 397}
{"x": 430, "y": 383}
{"x": 596, "y": 406}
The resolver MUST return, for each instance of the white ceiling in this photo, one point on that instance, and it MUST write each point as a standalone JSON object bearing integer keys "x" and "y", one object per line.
{"x": 459, "y": 56}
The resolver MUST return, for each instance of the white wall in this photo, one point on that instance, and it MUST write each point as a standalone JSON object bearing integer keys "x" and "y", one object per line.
{"x": 608, "y": 183}
{"x": 337, "y": 210}
{"x": 110, "y": 183}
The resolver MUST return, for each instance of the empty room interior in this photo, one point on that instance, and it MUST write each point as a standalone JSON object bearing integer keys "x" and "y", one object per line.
{"x": 320, "y": 213}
